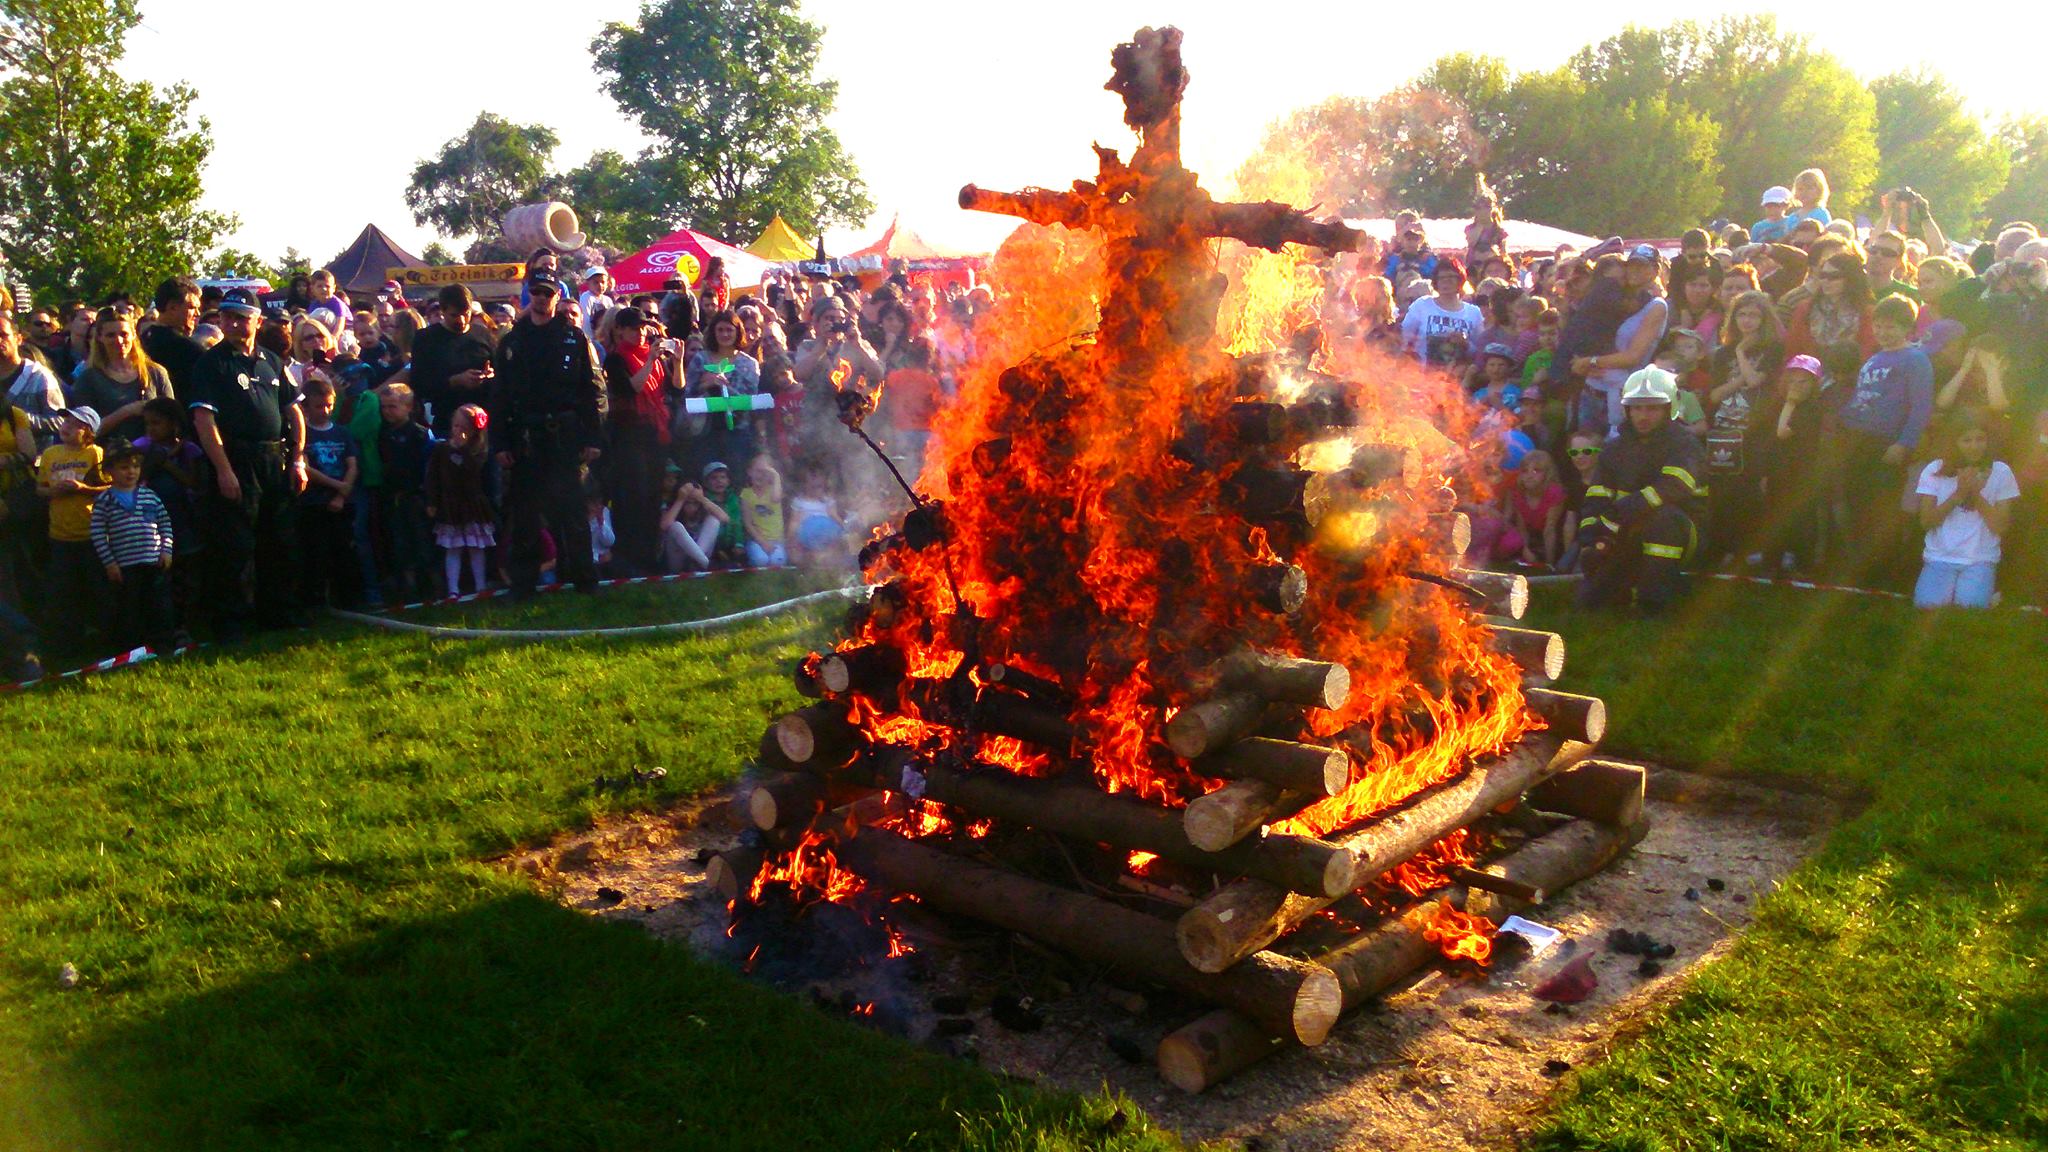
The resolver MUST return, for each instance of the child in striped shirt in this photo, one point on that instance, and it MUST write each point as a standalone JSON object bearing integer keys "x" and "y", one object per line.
{"x": 131, "y": 531}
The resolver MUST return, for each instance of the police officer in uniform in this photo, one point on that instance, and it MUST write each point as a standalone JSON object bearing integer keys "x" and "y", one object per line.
{"x": 1641, "y": 517}
{"x": 245, "y": 414}
{"x": 547, "y": 427}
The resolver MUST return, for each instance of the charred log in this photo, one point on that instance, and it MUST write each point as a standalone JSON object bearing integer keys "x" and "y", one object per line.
{"x": 1305, "y": 768}
{"x": 1085, "y": 812}
{"x": 874, "y": 670}
{"x": 1287, "y": 679}
{"x": 1281, "y": 588}
{"x": 1288, "y": 997}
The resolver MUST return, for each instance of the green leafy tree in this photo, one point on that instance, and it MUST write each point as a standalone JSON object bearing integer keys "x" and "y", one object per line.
{"x": 1780, "y": 106}
{"x": 479, "y": 176}
{"x": 99, "y": 178}
{"x": 1659, "y": 183}
{"x": 616, "y": 201}
{"x": 2025, "y": 195}
{"x": 1553, "y": 147}
{"x": 1928, "y": 139}
{"x": 727, "y": 90}
{"x": 234, "y": 262}
{"x": 437, "y": 255}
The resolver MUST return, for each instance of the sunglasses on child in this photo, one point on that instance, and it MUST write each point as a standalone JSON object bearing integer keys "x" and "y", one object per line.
{"x": 1582, "y": 451}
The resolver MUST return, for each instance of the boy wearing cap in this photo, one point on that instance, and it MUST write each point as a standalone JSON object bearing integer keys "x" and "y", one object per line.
{"x": 69, "y": 475}
{"x": 1776, "y": 226}
{"x": 1640, "y": 519}
{"x": 596, "y": 297}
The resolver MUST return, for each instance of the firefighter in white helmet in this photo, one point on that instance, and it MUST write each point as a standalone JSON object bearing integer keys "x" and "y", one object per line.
{"x": 1640, "y": 521}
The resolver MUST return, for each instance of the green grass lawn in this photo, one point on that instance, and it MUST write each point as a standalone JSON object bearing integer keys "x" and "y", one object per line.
{"x": 1892, "y": 994}
{"x": 271, "y": 866}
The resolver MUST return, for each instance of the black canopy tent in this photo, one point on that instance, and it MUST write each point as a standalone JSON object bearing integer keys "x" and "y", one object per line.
{"x": 364, "y": 266}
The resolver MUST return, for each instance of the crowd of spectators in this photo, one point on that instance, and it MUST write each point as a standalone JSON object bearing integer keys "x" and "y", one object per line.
{"x": 1862, "y": 405}
{"x": 198, "y": 462}
{"x": 1800, "y": 397}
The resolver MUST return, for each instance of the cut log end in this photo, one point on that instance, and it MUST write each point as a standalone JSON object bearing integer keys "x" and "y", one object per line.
{"x": 1536, "y": 653}
{"x": 1212, "y": 1050}
{"x": 730, "y": 874}
{"x": 1574, "y": 717}
{"x": 793, "y": 735}
{"x": 1211, "y": 724}
{"x": 1221, "y": 818}
{"x": 1206, "y": 939}
{"x": 1340, "y": 874}
{"x": 1317, "y": 1006}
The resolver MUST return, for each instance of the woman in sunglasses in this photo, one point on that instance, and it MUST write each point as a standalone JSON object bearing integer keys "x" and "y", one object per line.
{"x": 1837, "y": 313}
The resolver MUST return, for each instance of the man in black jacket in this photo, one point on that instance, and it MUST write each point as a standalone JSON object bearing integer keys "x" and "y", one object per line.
{"x": 547, "y": 427}
{"x": 1641, "y": 516}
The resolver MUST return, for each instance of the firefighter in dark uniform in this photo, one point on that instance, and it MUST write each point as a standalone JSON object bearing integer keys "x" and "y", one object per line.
{"x": 245, "y": 415}
{"x": 1640, "y": 521}
{"x": 547, "y": 427}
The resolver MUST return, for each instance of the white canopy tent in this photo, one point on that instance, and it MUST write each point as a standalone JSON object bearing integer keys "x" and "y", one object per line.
{"x": 1448, "y": 235}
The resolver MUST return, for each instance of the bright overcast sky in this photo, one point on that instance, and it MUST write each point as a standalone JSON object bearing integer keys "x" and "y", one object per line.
{"x": 931, "y": 95}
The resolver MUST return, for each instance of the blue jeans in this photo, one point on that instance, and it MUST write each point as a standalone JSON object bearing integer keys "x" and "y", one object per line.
{"x": 1962, "y": 585}
{"x": 771, "y": 557}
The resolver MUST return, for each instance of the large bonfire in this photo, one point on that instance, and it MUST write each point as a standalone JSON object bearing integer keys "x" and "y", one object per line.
{"x": 1171, "y": 594}
{"x": 1115, "y": 514}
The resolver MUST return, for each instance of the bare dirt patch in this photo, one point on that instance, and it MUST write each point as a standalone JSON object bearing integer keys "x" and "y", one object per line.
{"x": 1456, "y": 1060}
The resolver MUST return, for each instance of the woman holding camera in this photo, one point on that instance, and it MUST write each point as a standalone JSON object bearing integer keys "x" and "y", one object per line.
{"x": 639, "y": 374}
{"x": 721, "y": 370}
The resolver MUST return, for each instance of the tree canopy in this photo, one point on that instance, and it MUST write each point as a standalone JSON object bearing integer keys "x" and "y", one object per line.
{"x": 480, "y": 175}
{"x": 1654, "y": 130}
{"x": 100, "y": 178}
{"x": 727, "y": 89}
{"x": 1927, "y": 138}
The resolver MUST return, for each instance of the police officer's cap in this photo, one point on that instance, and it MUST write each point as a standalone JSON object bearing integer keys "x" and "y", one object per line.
{"x": 240, "y": 300}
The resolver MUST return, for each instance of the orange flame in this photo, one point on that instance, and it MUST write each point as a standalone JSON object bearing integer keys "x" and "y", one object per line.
{"x": 1430, "y": 868}
{"x": 1461, "y": 936}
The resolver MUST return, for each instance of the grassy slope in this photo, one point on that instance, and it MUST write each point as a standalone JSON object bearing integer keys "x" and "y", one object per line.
{"x": 1892, "y": 994}
{"x": 265, "y": 863}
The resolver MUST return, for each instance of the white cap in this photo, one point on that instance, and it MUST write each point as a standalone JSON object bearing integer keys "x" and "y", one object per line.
{"x": 1777, "y": 194}
{"x": 1652, "y": 385}
{"x": 593, "y": 270}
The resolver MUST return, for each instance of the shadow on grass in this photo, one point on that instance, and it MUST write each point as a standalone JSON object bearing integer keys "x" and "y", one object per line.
{"x": 515, "y": 1024}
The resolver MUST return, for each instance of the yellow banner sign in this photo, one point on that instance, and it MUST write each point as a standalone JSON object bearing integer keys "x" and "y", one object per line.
{"x": 457, "y": 274}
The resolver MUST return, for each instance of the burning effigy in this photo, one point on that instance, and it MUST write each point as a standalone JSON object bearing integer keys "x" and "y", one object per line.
{"x": 1192, "y": 617}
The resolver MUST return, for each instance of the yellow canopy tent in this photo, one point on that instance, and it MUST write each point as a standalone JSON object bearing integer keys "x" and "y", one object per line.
{"x": 779, "y": 242}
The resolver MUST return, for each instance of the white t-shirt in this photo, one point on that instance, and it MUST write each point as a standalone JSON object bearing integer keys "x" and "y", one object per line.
{"x": 1964, "y": 537}
{"x": 593, "y": 303}
{"x": 1431, "y": 331}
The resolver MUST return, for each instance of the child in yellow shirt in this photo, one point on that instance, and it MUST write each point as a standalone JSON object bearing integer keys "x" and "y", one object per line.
{"x": 761, "y": 513}
{"x": 69, "y": 476}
